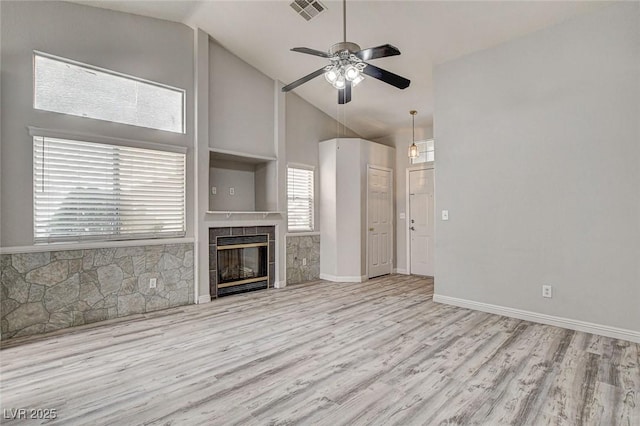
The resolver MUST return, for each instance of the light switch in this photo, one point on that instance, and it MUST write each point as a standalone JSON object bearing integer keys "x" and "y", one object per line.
{"x": 402, "y": 215}
{"x": 445, "y": 214}
{"x": 232, "y": 191}
{"x": 214, "y": 190}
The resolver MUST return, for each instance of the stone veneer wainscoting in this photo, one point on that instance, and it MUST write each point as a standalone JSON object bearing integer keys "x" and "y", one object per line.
{"x": 298, "y": 248}
{"x": 47, "y": 291}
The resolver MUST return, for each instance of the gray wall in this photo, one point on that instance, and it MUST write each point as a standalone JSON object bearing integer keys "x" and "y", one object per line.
{"x": 239, "y": 176}
{"x": 538, "y": 155}
{"x": 266, "y": 178}
{"x": 241, "y": 105}
{"x": 306, "y": 127}
{"x": 148, "y": 48}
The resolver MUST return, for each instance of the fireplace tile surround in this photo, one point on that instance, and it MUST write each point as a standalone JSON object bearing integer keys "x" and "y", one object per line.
{"x": 214, "y": 233}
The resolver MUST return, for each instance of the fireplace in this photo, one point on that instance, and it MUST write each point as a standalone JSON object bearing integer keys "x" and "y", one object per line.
{"x": 242, "y": 263}
{"x": 241, "y": 259}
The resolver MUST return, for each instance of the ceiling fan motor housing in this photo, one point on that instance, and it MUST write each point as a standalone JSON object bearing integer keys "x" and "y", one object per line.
{"x": 342, "y": 46}
{"x": 342, "y": 56}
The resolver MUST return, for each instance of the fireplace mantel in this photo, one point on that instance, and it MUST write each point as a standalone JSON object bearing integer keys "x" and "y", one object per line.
{"x": 228, "y": 214}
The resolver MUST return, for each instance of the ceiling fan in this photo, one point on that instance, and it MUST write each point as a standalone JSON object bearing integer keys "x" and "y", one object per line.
{"x": 347, "y": 64}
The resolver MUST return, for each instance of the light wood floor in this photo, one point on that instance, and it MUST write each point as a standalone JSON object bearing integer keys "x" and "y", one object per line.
{"x": 323, "y": 353}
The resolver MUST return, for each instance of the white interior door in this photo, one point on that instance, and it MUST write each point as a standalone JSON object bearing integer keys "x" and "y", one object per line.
{"x": 379, "y": 217}
{"x": 421, "y": 221}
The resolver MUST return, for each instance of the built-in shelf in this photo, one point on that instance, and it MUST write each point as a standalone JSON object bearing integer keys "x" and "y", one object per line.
{"x": 227, "y": 155}
{"x": 240, "y": 182}
{"x": 228, "y": 214}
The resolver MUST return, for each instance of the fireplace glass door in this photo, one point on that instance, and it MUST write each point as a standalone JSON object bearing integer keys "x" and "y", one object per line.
{"x": 242, "y": 262}
{"x": 239, "y": 264}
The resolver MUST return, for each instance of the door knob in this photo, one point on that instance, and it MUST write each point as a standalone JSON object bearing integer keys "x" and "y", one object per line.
{"x": 370, "y": 229}
{"x": 412, "y": 228}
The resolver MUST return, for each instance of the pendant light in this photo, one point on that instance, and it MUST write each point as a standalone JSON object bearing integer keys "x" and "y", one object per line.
{"x": 413, "y": 149}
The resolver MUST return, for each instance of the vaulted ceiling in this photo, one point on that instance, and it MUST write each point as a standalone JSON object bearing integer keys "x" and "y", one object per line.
{"x": 426, "y": 32}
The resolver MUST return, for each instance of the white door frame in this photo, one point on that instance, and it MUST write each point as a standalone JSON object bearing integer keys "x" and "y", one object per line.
{"x": 422, "y": 166}
{"x": 391, "y": 216}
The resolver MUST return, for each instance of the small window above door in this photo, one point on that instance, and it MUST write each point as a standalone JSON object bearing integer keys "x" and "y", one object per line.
{"x": 426, "y": 152}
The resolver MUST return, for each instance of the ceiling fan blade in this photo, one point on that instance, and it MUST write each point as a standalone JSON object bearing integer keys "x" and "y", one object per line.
{"x": 386, "y": 76}
{"x": 311, "y": 52}
{"x": 303, "y": 80}
{"x": 377, "y": 52}
{"x": 344, "y": 95}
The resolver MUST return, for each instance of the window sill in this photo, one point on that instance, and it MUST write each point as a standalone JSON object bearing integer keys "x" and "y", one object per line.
{"x": 93, "y": 245}
{"x": 302, "y": 234}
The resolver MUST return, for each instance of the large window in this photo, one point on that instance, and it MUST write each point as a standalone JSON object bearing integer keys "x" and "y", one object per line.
{"x": 72, "y": 88}
{"x": 94, "y": 191}
{"x": 300, "y": 199}
{"x": 426, "y": 152}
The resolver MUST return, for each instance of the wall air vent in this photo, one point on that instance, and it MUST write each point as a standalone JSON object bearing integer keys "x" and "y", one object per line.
{"x": 308, "y": 9}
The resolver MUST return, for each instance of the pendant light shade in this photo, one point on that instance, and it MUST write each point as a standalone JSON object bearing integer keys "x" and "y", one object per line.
{"x": 413, "y": 149}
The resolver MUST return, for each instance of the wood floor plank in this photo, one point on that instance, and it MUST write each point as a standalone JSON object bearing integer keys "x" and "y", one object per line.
{"x": 380, "y": 352}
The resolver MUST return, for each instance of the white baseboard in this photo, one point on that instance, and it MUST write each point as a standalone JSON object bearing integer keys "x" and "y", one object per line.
{"x": 205, "y": 298}
{"x": 279, "y": 284}
{"x": 400, "y": 271}
{"x": 344, "y": 278}
{"x": 587, "y": 327}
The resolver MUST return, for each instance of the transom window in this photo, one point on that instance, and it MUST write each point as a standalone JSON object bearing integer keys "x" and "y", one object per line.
{"x": 300, "y": 202}
{"x": 93, "y": 191}
{"x": 426, "y": 152}
{"x": 68, "y": 87}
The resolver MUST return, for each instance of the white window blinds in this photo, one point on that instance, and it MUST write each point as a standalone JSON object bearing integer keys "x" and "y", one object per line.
{"x": 92, "y": 191}
{"x": 299, "y": 199}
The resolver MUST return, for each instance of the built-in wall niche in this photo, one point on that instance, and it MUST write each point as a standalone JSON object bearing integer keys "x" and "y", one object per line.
{"x": 240, "y": 183}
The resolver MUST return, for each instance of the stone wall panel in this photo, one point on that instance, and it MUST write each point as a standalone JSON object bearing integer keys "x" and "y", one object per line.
{"x": 48, "y": 291}
{"x": 299, "y": 248}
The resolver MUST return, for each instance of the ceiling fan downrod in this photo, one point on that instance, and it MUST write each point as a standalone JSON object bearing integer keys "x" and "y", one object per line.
{"x": 344, "y": 44}
{"x": 344, "y": 21}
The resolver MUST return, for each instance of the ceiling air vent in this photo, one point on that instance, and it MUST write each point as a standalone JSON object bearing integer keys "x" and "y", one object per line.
{"x": 308, "y": 8}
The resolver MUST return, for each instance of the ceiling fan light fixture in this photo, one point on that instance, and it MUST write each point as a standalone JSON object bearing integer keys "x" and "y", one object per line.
{"x": 339, "y": 83}
{"x": 357, "y": 80}
{"x": 351, "y": 72}
{"x": 347, "y": 63}
{"x": 331, "y": 75}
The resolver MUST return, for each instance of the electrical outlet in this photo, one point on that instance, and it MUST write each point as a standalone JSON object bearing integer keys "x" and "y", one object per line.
{"x": 232, "y": 191}
{"x": 152, "y": 282}
{"x": 547, "y": 291}
{"x": 214, "y": 190}
{"x": 304, "y": 261}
